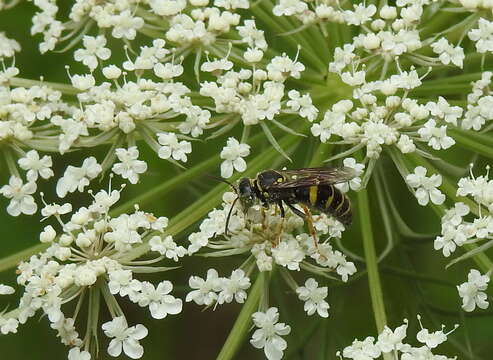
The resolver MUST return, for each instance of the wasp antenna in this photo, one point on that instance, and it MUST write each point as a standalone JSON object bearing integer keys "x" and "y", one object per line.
{"x": 229, "y": 216}
{"x": 222, "y": 180}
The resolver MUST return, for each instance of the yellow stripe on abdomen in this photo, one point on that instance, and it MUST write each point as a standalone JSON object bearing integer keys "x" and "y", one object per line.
{"x": 313, "y": 195}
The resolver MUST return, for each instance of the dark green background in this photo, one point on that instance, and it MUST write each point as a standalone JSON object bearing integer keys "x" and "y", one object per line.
{"x": 197, "y": 334}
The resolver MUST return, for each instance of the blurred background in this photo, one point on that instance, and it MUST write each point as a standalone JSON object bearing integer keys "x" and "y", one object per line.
{"x": 414, "y": 278}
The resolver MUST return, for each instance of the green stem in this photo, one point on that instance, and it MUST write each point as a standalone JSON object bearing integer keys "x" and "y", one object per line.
{"x": 371, "y": 260}
{"x": 471, "y": 140}
{"x": 241, "y": 326}
{"x": 444, "y": 89}
{"x": 64, "y": 88}
{"x": 14, "y": 259}
{"x": 166, "y": 187}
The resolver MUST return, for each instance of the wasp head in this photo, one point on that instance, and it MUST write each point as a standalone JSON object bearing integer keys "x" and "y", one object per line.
{"x": 246, "y": 193}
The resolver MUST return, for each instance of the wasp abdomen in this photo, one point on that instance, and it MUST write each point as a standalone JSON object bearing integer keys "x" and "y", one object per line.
{"x": 327, "y": 199}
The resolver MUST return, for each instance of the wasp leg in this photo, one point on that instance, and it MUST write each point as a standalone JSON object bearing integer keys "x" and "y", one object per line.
{"x": 311, "y": 228}
{"x": 300, "y": 213}
{"x": 281, "y": 227}
{"x": 262, "y": 211}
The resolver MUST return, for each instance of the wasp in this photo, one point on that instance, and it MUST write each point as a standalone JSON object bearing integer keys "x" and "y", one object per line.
{"x": 312, "y": 188}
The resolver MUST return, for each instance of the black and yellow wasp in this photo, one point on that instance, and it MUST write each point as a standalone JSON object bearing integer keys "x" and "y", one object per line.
{"x": 310, "y": 187}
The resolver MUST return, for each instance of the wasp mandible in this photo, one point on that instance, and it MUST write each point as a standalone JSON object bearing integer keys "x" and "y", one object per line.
{"x": 310, "y": 187}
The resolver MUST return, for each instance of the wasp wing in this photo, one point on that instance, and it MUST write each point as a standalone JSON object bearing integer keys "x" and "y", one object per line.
{"x": 314, "y": 176}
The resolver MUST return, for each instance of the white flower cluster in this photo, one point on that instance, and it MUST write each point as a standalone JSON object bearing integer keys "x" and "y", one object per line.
{"x": 310, "y": 12}
{"x": 121, "y": 113}
{"x": 314, "y": 298}
{"x": 380, "y": 112}
{"x": 269, "y": 332}
{"x": 272, "y": 240}
{"x": 20, "y": 194}
{"x": 233, "y": 154}
{"x": 479, "y": 104}
{"x": 456, "y": 230}
{"x": 392, "y": 342}
{"x": 259, "y": 93}
{"x": 426, "y": 188}
{"x": 389, "y": 32}
{"x": 365, "y": 122}
{"x": 9, "y": 46}
{"x": 92, "y": 255}
{"x": 482, "y": 36}
{"x": 218, "y": 290}
{"x": 459, "y": 227}
{"x": 473, "y": 290}
{"x": 198, "y": 24}
{"x": 26, "y": 121}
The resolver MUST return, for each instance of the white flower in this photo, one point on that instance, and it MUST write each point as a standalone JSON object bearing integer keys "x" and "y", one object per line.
{"x": 8, "y": 326}
{"x": 167, "y": 247}
{"x": 112, "y": 72}
{"x": 432, "y": 340}
{"x": 216, "y": 66}
{"x": 129, "y": 167}
{"x": 77, "y": 354}
{"x": 332, "y": 123}
{"x": 288, "y": 254}
{"x": 93, "y": 49}
{"x": 56, "y": 210}
{"x": 233, "y": 154}
{"x": 47, "y": 235}
{"x": 171, "y": 148}
{"x": 405, "y": 144}
{"x": 362, "y": 350}
{"x": 8, "y": 47}
{"x": 447, "y": 53}
{"x": 232, "y": 4}
{"x": 443, "y": 110}
{"x": 36, "y": 166}
{"x": 205, "y": 293}
{"x": 268, "y": 336}
{"x": 126, "y": 338}
{"x": 281, "y": 67}
{"x": 234, "y": 288}
{"x": 360, "y": 15}
{"x": 85, "y": 276}
{"x": 160, "y": 302}
{"x": 167, "y": 7}
{"x": 435, "y": 136}
{"x": 302, "y": 104}
{"x": 450, "y": 239}
{"x": 20, "y": 194}
{"x": 355, "y": 182}
{"x": 76, "y": 178}
{"x": 314, "y": 298}
{"x": 168, "y": 71}
{"x": 83, "y": 82}
{"x": 482, "y": 36}
{"x": 289, "y": 7}
{"x": 125, "y": 25}
{"x": 472, "y": 291}
{"x": 197, "y": 241}
{"x": 6, "y": 290}
{"x": 389, "y": 340}
{"x": 426, "y": 187}
{"x": 120, "y": 282}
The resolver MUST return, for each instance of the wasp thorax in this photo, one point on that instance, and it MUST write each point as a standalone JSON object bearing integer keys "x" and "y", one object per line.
{"x": 268, "y": 178}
